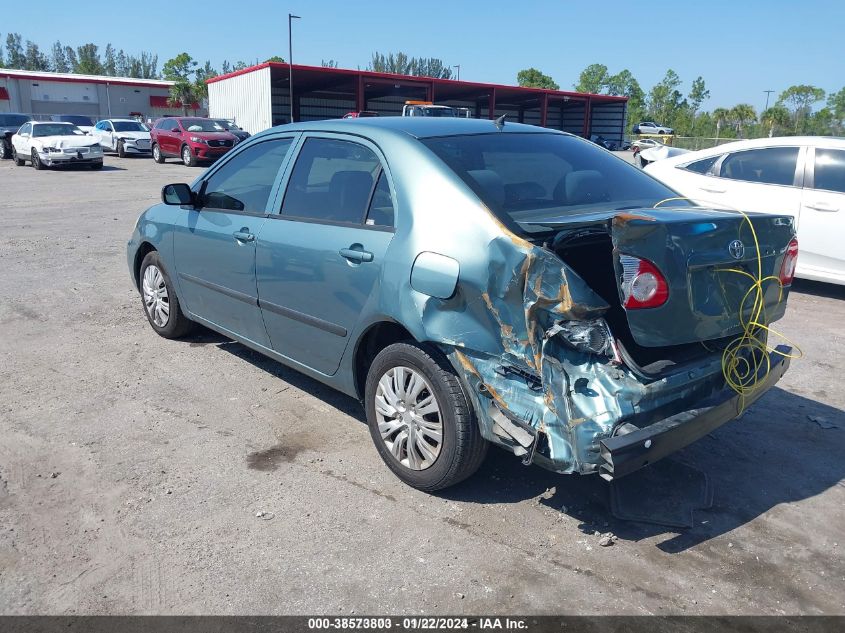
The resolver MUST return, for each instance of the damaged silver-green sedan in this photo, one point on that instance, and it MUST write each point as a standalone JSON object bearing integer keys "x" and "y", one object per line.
{"x": 476, "y": 282}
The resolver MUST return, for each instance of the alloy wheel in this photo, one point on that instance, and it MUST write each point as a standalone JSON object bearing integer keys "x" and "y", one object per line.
{"x": 409, "y": 418}
{"x": 156, "y": 300}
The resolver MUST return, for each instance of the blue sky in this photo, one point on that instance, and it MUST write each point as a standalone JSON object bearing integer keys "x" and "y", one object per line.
{"x": 741, "y": 48}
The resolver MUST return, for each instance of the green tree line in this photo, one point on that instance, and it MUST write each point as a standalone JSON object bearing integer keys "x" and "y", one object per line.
{"x": 795, "y": 111}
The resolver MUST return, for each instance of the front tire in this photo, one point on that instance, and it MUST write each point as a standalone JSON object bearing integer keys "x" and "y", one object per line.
{"x": 121, "y": 150}
{"x": 421, "y": 422}
{"x": 36, "y": 160}
{"x": 157, "y": 155}
{"x": 188, "y": 157}
{"x": 159, "y": 300}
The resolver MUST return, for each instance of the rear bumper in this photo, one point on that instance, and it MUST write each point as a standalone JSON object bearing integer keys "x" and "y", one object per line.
{"x": 624, "y": 454}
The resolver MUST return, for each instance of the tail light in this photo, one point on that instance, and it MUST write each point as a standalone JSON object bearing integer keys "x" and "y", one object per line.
{"x": 790, "y": 259}
{"x": 643, "y": 285}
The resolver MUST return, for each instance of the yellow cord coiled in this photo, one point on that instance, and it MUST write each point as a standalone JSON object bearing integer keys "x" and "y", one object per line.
{"x": 749, "y": 353}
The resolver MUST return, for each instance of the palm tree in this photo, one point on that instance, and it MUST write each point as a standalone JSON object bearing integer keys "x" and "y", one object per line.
{"x": 720, "y": 115}
{"x": 741, "y": 114}
{"x": 777, "y": 115}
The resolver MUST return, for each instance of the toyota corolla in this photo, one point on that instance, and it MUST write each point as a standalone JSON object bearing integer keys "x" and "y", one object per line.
{"x": 474, "y": 283}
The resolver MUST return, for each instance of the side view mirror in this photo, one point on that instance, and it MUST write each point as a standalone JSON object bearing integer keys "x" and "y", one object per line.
{"x": 177, "y": 194}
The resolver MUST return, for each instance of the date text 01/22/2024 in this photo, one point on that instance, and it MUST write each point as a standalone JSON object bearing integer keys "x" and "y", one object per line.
{"x": 418, "y": 623}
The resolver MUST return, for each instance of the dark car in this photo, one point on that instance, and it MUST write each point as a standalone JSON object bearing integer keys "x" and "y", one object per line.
{"x": 191, "y": 138}
{"x": 232, "y": 128}
{"x": 81, "y": 121}
{"x": 476, "y": 283}
{"x": 10, "y": 123}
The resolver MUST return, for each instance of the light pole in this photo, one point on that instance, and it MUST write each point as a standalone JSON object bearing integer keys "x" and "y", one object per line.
{"x": 291, "y": 17}
{"x": 458, "y": 66}
{"x": 768, "y": 92}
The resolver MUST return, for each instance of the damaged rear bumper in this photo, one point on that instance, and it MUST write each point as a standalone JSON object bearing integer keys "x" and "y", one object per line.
{"x": 628, "y": 452}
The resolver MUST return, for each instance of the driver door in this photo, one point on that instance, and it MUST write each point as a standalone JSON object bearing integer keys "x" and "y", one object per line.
{"x": 214, "y": 246}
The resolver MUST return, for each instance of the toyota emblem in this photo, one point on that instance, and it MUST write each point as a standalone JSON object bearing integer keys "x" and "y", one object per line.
{"x": 736, "y": 249}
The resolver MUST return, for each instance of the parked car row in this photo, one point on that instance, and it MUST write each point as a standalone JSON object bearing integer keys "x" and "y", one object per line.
{"x": 192, "y": 139}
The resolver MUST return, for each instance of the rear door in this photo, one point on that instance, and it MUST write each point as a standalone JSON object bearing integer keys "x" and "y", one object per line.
{"x": 215, "y": 245}
{"x": 319, "y": 259}
{"x": 821, "y": 224}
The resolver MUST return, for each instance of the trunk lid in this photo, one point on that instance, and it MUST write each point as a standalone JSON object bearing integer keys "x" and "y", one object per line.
{"x": 699, "y": 252}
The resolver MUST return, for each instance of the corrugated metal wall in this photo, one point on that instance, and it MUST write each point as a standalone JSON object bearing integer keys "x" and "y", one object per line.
{"x": 608, "y": 120}
{"x": 245, "y": 98}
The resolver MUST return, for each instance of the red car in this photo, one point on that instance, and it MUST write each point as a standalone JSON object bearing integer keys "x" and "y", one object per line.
{"x": 190, "y": 138}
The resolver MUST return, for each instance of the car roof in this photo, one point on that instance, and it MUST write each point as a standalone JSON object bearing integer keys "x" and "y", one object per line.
{"x": 50, "y": 122}
{"x": 418, "y": 127}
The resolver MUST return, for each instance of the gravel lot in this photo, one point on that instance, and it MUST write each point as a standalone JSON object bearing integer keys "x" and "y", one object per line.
{"x": 132, "y": 468}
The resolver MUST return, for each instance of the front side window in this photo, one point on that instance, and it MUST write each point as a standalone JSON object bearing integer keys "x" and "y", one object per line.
{"x": 531, "y": 179}
{"x": 769, "y": 165}
{"x": 244, "y": 183}
{"x": 25, "y": 129}
{"x": 332, "y": 181}
{"x": 830, "y": 170}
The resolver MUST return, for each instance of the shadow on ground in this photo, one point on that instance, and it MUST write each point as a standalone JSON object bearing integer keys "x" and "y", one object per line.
{"x": 784, "y": 449}
{"x": 818, "y": 289}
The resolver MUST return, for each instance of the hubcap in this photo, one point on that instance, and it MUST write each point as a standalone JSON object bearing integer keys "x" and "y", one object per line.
{"x": 186, "y": 155}
{"x": 409, "y": 418}
{"x": 156, "y": 301}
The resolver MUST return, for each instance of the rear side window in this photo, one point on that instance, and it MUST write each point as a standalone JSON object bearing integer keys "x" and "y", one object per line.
{"x": 702, "y": 166}
{"x": 830, "y": 170}
{"x": 244, "y": 182}
{"x": 770, "y": 165}
{"x": 381, "y": 206}
{"x": 333, "y": 181}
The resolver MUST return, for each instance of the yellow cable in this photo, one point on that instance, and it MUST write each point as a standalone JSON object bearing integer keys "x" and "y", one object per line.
{"x": 745, "y": 356}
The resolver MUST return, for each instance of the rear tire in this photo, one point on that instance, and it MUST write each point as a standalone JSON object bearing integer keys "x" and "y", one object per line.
{"x": 36, "y": 160}
{"x": 20, "y": 162}
{"x": 461, "y": 448}
{"x": 158, "y": 296}
{"x": 157, "y": 155}
{"x": 188, "y": 157}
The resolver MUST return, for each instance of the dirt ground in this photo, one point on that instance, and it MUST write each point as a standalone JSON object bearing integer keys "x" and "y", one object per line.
{"x": 132, "y": 468}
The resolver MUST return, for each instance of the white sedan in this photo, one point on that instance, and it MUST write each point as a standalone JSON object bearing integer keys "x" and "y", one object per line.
{"x": 46, "y": 144}
{"x": 124, "y": 136}
{"x": 800, "y": 176}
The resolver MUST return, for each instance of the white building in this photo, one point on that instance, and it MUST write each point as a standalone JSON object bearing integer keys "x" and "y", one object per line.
{"x": 99, "y": 97}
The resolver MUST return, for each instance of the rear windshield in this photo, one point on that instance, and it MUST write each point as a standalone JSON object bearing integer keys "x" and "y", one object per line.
{"x": 73, "y": 118}
{"x": 201, "y": 125}
{"x": 529, "y": 179}
{"x": 129, "y": 126}
{"x": 13, "y": 120}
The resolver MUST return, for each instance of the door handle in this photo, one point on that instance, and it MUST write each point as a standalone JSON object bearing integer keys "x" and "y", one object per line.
{"x": 711, "y": 190}
{"x": 822, "y": 206}
{"x": 244, "y": 236}
{"x": 356, "y": 255}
